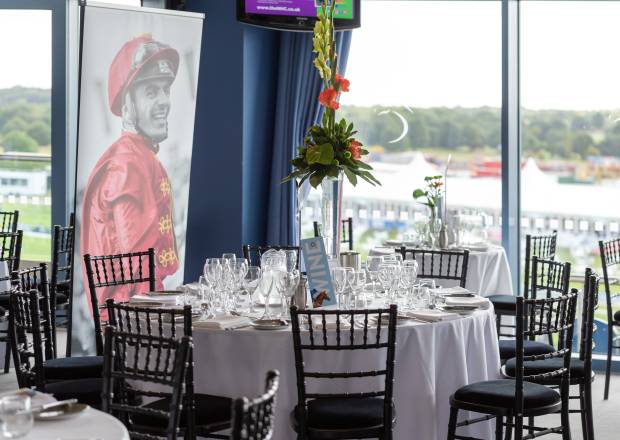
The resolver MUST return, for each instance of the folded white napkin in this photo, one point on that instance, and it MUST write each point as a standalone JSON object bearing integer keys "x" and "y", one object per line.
{"x": 430, "y": 315}
{"x": 223, "y": 322}
{"x": 330, "y": 322}
{"x": 167, "y": 300}
{"x": 478, "y": 301}
{"x": 450, "y": 290}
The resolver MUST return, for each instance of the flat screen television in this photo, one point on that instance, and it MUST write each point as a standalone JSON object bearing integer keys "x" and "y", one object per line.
{"x": 296, "y": 15}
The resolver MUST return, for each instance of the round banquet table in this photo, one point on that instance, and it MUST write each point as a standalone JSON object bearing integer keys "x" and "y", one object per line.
{"x": 432, "y": 361}
{"x": 92, "y": 424}
{"x": 488, "y": 272}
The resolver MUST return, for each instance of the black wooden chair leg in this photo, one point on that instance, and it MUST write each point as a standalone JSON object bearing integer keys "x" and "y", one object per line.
{"x": 588, "y": 410}
{"x": 610, "y": 338}
{"x": 7, "y": 358}
{"x": 582, "y": 412}
{"x": 499, "y": 427}
{"x": 454, "y": 412}
{"x": 565, "y": 419}
{"x": 518, "y": 427}
{"x": 508, "y": 435}
{"x": 530, "y": 423}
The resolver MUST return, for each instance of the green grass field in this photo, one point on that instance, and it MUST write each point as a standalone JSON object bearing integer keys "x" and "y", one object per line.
{"x": 34, "y": 247}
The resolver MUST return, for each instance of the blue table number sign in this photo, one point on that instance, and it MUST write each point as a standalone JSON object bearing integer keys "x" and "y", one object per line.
{"x": 317, "y": 269}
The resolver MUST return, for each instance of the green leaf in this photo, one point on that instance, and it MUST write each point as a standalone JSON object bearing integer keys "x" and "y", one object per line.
{"x": 363, "y": 165}
{"x": 351, "y": 176}
{"x": 316, "y": 178}
{"x": 418, "y": 193}
{"x": 322, "y": 154}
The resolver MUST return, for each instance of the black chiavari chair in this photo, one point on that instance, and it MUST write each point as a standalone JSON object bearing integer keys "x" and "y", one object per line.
{"x": 548, "y": 279}
{"x": 347, "y": 231}
{"x": 10, "y": 251}
{"x": 66, "y": 368}
{"x": 254, "y": 253}
{"x": 581, "y": 373}
{"x": 202, "y": 414}
{"x": 61, "y": 277}
{"x": 509, "y": 401}
{"x": 164, "y": 368}
{"x": 439, "y": 264}
{"x": 32, "y": 347}
{"x": 541, "y": 246}
{"x": 8, "y": 221}
{"x": 253, "y": 419}
{"x": 610, "y": 256}
{"x": 354, "y": 415}
{"x": 106, "y": 273}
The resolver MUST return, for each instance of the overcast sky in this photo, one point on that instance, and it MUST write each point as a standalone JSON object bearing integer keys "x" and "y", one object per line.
{"x": 426, "y": 53}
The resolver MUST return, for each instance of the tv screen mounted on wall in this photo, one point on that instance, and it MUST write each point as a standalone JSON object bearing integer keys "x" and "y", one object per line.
{"x": 296, "y": 15}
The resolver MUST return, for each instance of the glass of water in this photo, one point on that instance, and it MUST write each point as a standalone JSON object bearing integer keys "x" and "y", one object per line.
{"x": 15, "y": 416}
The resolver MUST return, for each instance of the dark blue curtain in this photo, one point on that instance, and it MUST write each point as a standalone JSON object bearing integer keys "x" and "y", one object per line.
{"x": 297, "y": 108}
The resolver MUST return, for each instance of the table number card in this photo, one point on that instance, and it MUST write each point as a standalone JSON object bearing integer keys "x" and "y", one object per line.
{"x": 317, "y": 269}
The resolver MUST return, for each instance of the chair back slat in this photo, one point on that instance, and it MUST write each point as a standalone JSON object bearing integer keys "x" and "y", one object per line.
{"x": 549, "y": 278}
{"x": 591, "y": 287}
{"x": 254, "y": 419}
{"x": 439, "y": 264}
{"x": 8, "y": 221}
{"x": 541, "y": 246}
{"x": 551, "y": 317}
{"x": 30, "y": 340}
{"x": 334, "y": 327}
{"x": 106, "y": 272}
{"x": 120, "y": 369}
{"x": 11, "y": 248}
{"x": 157, "y": 323}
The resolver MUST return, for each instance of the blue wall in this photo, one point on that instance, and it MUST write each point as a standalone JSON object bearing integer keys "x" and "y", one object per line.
{"x": 234, "y": 125}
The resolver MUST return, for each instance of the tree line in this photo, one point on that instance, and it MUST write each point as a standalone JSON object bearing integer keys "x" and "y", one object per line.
{"x": 545, "y": 133}
{"x": 25, "y": 119}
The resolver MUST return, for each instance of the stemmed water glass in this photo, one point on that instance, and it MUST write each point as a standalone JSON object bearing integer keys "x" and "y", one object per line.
{"x": 270, "y": 278}
{"x": 372, "y": 267}
{"x": 389, "y": 277}
{"x": 289, "y": 283}
{"x": 250, "y": 283}
{"x": 339, "y": 277}
{"x": 230, "y": 257}
{"x": 212, "y": 272}
{"x": 357, "y": 284}
{"x": 408, "y": 276}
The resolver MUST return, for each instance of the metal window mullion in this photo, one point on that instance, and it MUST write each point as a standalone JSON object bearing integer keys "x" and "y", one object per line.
{"x": 511, "y": 139}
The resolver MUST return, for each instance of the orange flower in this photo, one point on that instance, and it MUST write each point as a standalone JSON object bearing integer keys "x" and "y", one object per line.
{"x": 355, "y": 149}
{"x": 328, "y": 98}
{"x": 342, "y": 83}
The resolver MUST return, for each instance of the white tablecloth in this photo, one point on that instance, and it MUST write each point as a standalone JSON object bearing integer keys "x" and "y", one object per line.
{"x": 432, "y": 361}
{"x": 488, "y": 272}
{"x": 91, "y": 424}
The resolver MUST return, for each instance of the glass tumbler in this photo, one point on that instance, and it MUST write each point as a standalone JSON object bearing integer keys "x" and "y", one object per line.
{"x": 15, "y": 416}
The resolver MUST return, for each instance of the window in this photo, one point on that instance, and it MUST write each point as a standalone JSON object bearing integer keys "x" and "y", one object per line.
{"x": 25, "y": 126}
{"x": 571, "y": 129}
{"x": 425, "y": 84}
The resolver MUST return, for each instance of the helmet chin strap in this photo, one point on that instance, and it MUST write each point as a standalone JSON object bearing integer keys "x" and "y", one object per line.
{"x": 129, "y": 114}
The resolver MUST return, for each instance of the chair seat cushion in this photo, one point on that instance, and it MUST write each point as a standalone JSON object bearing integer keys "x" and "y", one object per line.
{"x": 577, "y": 367}
{"x": 617, "y": 316}
{"x": 86, "y": 391}
{"x": 501, "y": 393}
{"x": 508, "y": 348}
{"x": 504, "y": 303}
{"x": 78, "y": 367}
{"x": 4, "y": 300}
{"x": 338, "y": 413}
{"x": 209, "y": 410}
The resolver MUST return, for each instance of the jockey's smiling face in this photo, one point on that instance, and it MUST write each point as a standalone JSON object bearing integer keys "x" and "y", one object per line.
{"x": 152, "y": 105}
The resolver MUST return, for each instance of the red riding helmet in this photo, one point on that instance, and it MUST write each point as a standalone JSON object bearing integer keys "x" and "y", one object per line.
{"x": 139, "y": 59}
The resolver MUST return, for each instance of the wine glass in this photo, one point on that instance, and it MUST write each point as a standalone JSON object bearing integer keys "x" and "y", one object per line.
{"x": 339, "y": 278}
{"x": 388, "y": 276}
{"x": 291, "y": 259}
{"x": 372, "y": 267}
{"x": 289, "y": 281}
{"x": 408, "y": 276}
{"x": 213, "y": 273}
{"x": 268, "y": 280}
{"x": 358, "y": 283}
{"x": 250, "y": 283}
{"x": 230, "y": 257}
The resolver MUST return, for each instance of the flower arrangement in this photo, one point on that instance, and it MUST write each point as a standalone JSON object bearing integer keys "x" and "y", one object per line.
{"x": 431, "y": 195}
{"x": 329, "y": 148}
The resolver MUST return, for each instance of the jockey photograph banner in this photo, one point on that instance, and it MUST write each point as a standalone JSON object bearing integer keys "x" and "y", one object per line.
{"x": 138, "y": 83}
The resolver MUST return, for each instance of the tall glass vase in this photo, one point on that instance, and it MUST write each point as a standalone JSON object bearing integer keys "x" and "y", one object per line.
{"x": 331, "y": 214}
